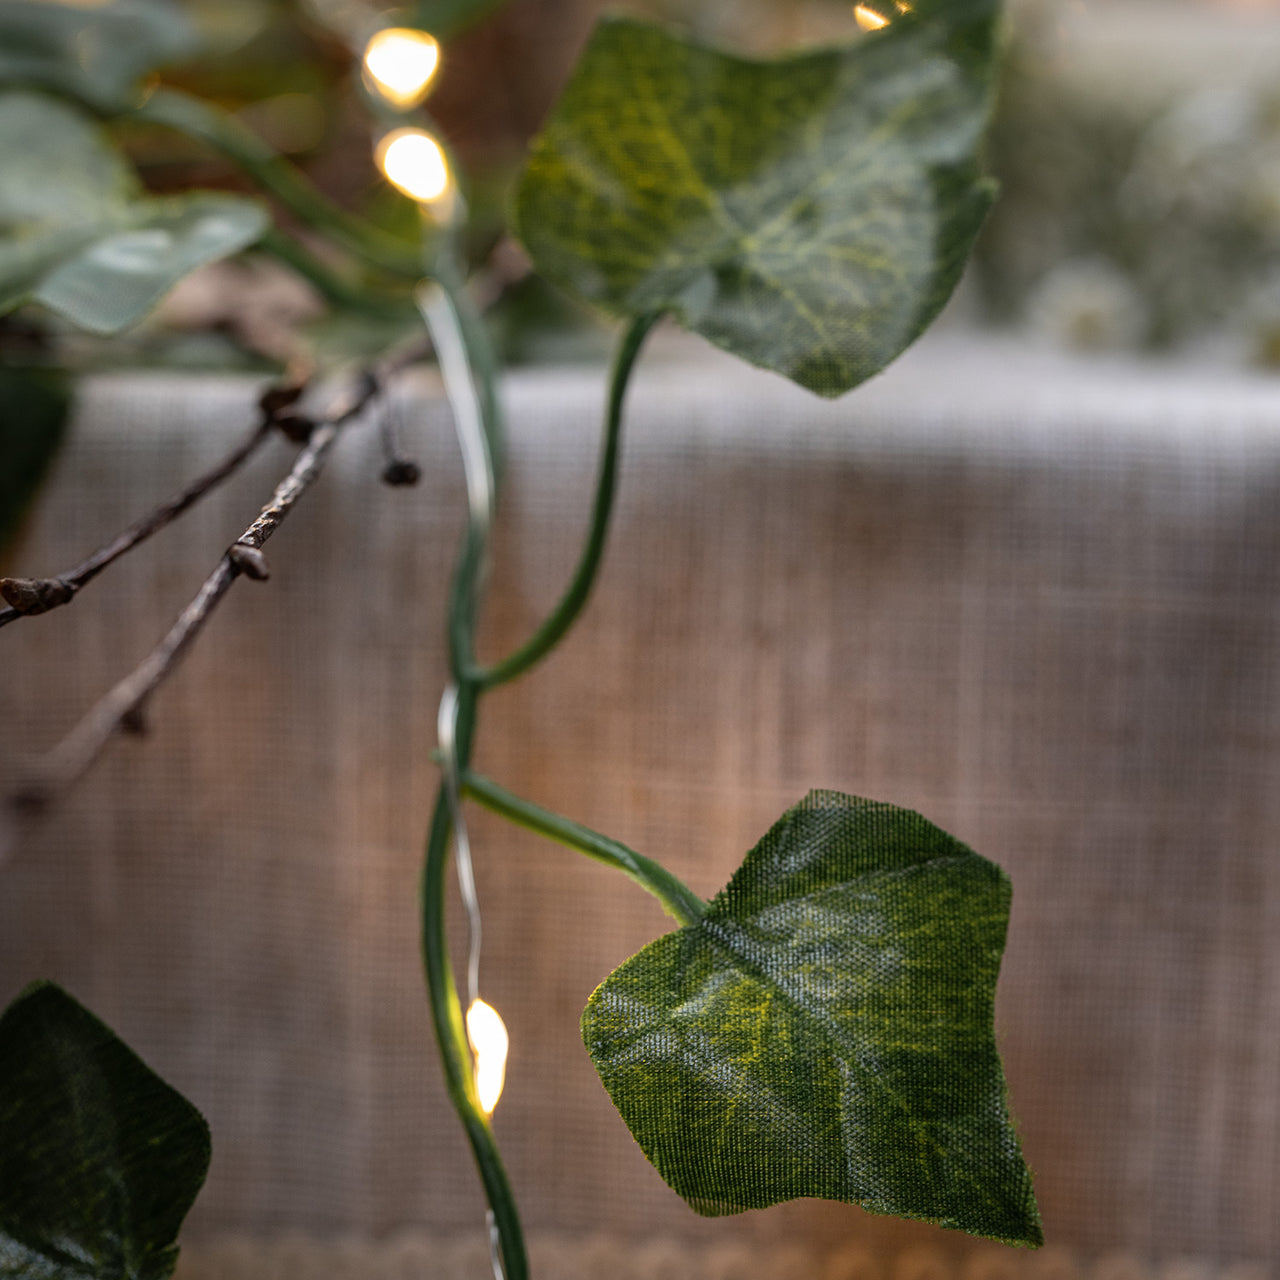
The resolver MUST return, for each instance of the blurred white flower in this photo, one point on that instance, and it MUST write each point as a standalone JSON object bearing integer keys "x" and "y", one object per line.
{"x": 1261, "y": 316}
{"x": 1088, "y": 304}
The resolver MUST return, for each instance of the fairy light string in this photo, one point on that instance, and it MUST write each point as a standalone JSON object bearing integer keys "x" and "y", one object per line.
{"x": 399, "y": 65}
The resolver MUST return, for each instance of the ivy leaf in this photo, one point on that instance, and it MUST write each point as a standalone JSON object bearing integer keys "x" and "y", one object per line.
{"x": 93, "y": 52}
{"x": 99, "y": 1158}
{"x": 34, "y": 407}
{"x": 810, "y": 214}
{"x": 116, "y": 280}
{"x": 77, "y": 235}
{"x": 826, "y": 1029}
{"x": 58, "y": 167}
{"x": 55, "y": 197}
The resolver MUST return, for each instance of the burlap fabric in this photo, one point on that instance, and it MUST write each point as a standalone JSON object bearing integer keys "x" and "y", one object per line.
{"x": 1037, "y": 600}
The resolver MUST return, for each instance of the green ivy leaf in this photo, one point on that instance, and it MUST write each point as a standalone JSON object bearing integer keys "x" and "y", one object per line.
{"x": 94, "y": 52}
{"x": 58, "y": 166}
{"x": 99, "y": 1158}
{"x": 76, "y": 234}
{"x": 34, "y": 407}
{"x": 826, "y": 1029}
{"x": 116, "y": 280}
{"x": 810, "y": 214}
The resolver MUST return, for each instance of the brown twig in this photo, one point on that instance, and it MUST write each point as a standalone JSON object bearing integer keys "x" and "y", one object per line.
{"x": 122, "y": 707}
{"x": 27, "y": 597}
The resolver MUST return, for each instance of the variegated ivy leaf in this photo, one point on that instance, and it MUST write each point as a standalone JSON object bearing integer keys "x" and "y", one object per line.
{"x": 114, "y": 281}
{"x": 810, "y": 214}
{"x": 826, "y": 1029}
{"x": 77, "y": 235}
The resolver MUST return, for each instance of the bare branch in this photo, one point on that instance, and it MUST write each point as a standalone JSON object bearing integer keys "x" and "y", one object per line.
{"x": 27, "y": 597}
{"x": 122, "y": 708}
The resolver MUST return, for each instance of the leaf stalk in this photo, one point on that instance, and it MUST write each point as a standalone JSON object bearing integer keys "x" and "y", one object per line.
{"x": 677, "y": 899}
{"x": 571, "y": 604}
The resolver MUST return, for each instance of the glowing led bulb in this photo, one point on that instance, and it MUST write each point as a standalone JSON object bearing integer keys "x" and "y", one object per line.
{"x": 489, "y": 1041}
{"x": 413, "y": 161}
{"x": 401, "y": 63}
{"x": 868, "y": 19}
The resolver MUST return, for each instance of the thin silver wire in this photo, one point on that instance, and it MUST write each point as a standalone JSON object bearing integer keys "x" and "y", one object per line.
{"x": 477, "y": 466}
{"x": 447, "y": 737}
{"x": 460, "y": 390}
{"x": 495, "y": 1247}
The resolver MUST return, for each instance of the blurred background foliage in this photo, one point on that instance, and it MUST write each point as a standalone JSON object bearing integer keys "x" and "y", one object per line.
{"x": 1138, "y": 147}
{"x": 1137, "y": 143}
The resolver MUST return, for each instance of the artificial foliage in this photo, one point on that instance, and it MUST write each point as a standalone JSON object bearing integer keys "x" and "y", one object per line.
{"x": 809, "y": 214}
{"x": 824, "y": 1026}
{"x": 99, "y": 1158}
{"x": 96, "y": 54}
{"x": 81, "y": 238}
{"x": 825, "y": 1029}
{"x": 34, "y": 404}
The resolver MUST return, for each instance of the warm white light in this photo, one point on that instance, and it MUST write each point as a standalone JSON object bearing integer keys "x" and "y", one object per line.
{"x": 401, "y": 63}
{"x": 414, "y": 161}
{"x": 868, "y": 19}
{"x": 489, "y": 1042}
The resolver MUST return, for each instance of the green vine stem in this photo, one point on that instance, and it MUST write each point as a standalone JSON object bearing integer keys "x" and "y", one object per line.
{"x": 677, "y": 899}
{"x": 207, "y": 124}
{"x": 467, "y": 369}
{"x": 484, "y": 362}
{"x": 566, "y": 612}
{"x": 442, "y": 302}
{"x": 455, "y": 1053}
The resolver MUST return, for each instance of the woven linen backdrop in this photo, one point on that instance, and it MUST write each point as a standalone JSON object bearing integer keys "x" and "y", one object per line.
{"x": 1036, "y": 600}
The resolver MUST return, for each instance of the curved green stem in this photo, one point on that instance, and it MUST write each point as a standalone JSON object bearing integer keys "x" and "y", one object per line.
{"x": 461, "y": 346}
{"x": 566, "y": 612}
{"x": 475, "y": 408}
{"x": 483, "y": 360}
{"x": 198, "y": 119}
{"x": 467, "y": 369}
{"x": 451, "y": 1036}
{"x": 327, "y": 283}
{"x": 677, "y": 898}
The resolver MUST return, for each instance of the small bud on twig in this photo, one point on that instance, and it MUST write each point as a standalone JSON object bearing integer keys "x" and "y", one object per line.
{"x": 274, "y": 400}
{"x": 134, "y": 723}
{"x": 400, "y": 471}
{"x": 249, "y": 561}
{"x": 295, "y": 426}
{"x": 121, "y": 709}
{"x": 32, "y": 596}
{"x": 29, "y": 798}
